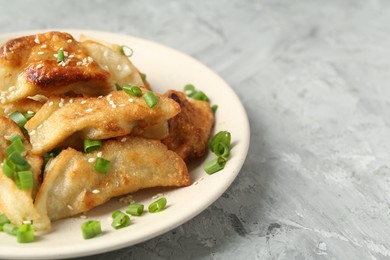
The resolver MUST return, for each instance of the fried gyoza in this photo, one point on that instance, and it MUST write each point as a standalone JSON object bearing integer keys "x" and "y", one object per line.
{"x": 189, "y": 131}
{"x": 72, "y": 186}
{"x": 29, "y": 66}
{"x": 115, "y": 115}
{"x": 22, "y": 105}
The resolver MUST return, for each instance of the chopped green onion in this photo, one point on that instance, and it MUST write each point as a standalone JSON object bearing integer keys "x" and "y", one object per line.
{"x": 143, "y": 77}
{"x": 102, "y": 165}
{"x": 10, "y": 229}
{"x": 150, "y": 99}
{"x": 15, "y": 146}
{"x": 222, "y": 150}
{"x": 24, "y": 180}
{"x": 9, "y": 168}
{"x": 158, "y": 205}
{"x": 199, "y": 95}
{"x": 91, "y": 229}
{"x": 118, "y": 87}
{"x": 120, "y": 220}
{"x": 18, "y": 118}
{"x": 61, "y": 56}
{"x": 14, "y": 137}
{"x": 92, "y": 145}
{"x": 3, "y": 220}
{"x": 189, "y": 89}
{"x": 29, "y": 115}
{"x": 132, "y": 90}
{"x": 25, "y": 233}
{"x": 214, "y": 108}
{"x": 220, "y": 137}
{"x": 214, "y": 165}
{"x": 20, "y": 162}
{"x": 123, "y": 48}
{"x": 135, "y": 209}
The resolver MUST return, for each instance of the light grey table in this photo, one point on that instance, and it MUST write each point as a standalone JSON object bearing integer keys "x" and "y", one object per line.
{"x": 314, "y": 77}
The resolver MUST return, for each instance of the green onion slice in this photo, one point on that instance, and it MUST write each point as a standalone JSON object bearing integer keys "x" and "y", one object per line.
{"x": 61, "y": 56}
{"x": 157, "y": 205}
{"x": 126, "y": 50}
{"x": 214, "y": 165}
{"x": 25, "y": 233}
{"x": 29, "y": 115}
{"x": 10, "y": 229}
{"x": 14, "y": 137}
{"x": 91, "y": 229}
{"x": 118, "y": 87}
{"x": 221, "y": 137}
{"x": 15, "y": 146}
{"x": 102, "y": 165}
{"x": 9, "y": 168}
{"x": 150, "y": 99}
{"x": 92, "y": 145}
{"x": 199, "y": 95}
{"x": 3, "y": 220}
{"x": 18, "y": 118}
{"x": 20, "y": 162}
{"x": 132, "y": 90}
{"x": 189, "y": 89}
{"x": 143, "y": 77}
{"x": 135, "y": 209}
{"x": 120, "y": 220}
{"x": 24, "y": 180}
{"x": 214, "y": 108}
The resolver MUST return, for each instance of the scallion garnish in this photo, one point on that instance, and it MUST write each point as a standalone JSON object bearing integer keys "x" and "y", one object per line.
{"x": 150, "y": 99}
{"x": 9, "y": 168}
{"x": 189, "y": 89}
{"x": 157, "y": 205}
{"x": 25, "y": 233}
{"x": 221, "y": 137}
{"x": 214, "y": 108}
{"x": 120, "y": 220}
{"x": 18, "y": 118}
{"x": 14, "y": 137}
{"x": 92, "y": 145}
{"x": 199, "y": 95}
{"x": 102, "y": 165}
{"x": 125, "y": 50}
{"x": 15, "y": 146}
{"x": 20, "y": 162}
{"x": 60, "y": 56}
{"x": 91, "y": 229}
{"x": 10, "y": 229}
{"x": 118, "y": 87}
{"x": 135, "y": 209}
{"x": 143, "y": 77}
{"x": 29, "y": 115}
{"x": 3, "y": 220}
{"x": 214, "y": 165}
{"x": 24, "y": 180}
{"x": 132, "y": 90}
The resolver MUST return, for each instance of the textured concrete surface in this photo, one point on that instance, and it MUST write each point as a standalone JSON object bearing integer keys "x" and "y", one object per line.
{"x": 314, "y": 77}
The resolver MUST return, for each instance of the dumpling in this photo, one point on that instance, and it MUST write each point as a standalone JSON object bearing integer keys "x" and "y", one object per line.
{"x": 22, "y": 105}
{"x": 189, "y": 131}
{"x": 72, "y": 186}
{"x": 28, "y": 66}
{"x": 114, "y": 115}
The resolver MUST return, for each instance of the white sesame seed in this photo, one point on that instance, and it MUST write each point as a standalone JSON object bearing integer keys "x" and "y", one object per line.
{"x": 83, "y": 102}
{"x": 95, "y": 191}
{"x": 99, "y": 154}
{"x": 27, "y": 221}
{"x": 90, "y": 59}
{"x": 79, "y": 63}
{"x": 69, "y": 41}
{"x": 62, "y": 100}
{"x": 40, "y": 126}
{"x": 50, "y": 103}
{"x": 111, "y": 102}
{"x": 123, "y": 139}
{"x": 30, "y": 112}
{"x": 36, "y": 40}
{"x": 70, "y": 207}
{"x": 131, "y": 100}
{"x": 100, "y": 96}
{"x": 40, "y": 52}
{"x": 119, "y": 67}
{"x": 61, "y": 49}
{"x": 66, "y": 53}
{"x": 71, "y": 100}
{"x": 43, "y": 46}
{"x": 39, "y": 66}
{"x": 61, "y": 104}
{"x": 85, "y": 60}
{"x": 55, "y": 55}
{"x": 83, "y": 216}
{"x": 113, "y": 106}
{"x": 121, "y": 105}
{"x": 71, "y": 56}
{"x": 91, "y": 160}
{"x": 89, "y": 110}
{"x": 11, "y": 88}
{"x": 32, "y": 132}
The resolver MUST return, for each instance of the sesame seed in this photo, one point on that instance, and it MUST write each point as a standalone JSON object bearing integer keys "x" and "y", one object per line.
{"x": 71, "y": 56}
{"x": 83, "y": 216}
{"x": 69, "y": 41}
{"x": 43, "y": 46}
{"x": 89, "y": 110}
{"x": 30, "y": 112}
{"x": 65, "y": 53}
{"x": 61, "y": 104}
{"x": 55, "y": 55}
{"x": 131, "y": 100}
{"x": 40, "y": 52}
{"x": 32, "y": 132}
{"x": 27, "y": 221}
{"x": 79, "y": 63}
{"x": 100, "y": 96}
{"x": 113, "y": 106}
{"x": 39, "y": 66}
{"x": 40, "y": 126}
{"x": 62, "y": 100}
{"x": 83, "y": 102}
{"x": 61, "y": 49}
{"x": 123, "y": 139}
{"x": 11, "y": 88}
{"x": 95, "y": 191}
{"x": 119, "y": 67}
{"x": 36, "y": 40}
{"x": 99, "y": 154}
{"x": 111, "y": 102}
{"x": 121, "y": 105}
{"x": 71, "y": 100}
{"x": 70, "y": 207}
{"x": 90, "y": 59}
{"x": 91, "y": 160}
{"x": 50, "y": 103}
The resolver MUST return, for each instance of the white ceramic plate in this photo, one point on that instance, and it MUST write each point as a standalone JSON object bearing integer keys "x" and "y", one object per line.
{"x": 166, "y": 69}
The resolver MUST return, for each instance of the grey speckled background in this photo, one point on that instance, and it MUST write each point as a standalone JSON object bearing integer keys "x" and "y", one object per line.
{"x": 314, "y": 77}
